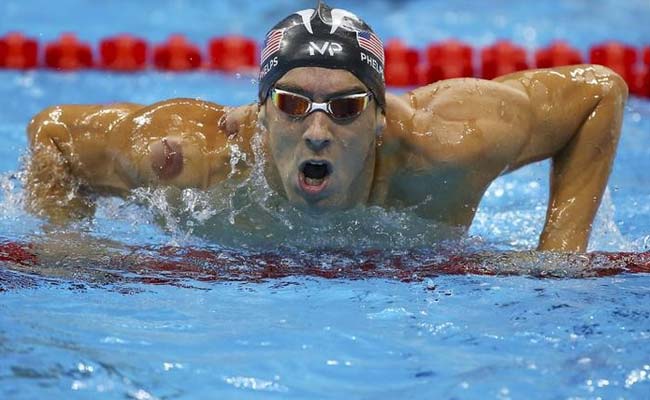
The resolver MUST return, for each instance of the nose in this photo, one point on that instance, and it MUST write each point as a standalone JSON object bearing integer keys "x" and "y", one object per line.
{"x": 317, "y": 136}
{"x": 317, "y": 145}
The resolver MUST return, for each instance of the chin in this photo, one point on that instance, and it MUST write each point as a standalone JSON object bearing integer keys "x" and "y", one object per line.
{"x": 317, "y": 204}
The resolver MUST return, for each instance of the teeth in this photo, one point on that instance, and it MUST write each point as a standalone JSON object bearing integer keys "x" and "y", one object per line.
{"x": 313, "y": 182}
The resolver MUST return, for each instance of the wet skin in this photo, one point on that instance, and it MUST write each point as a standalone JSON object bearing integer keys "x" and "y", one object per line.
{"x": 445, "y": 142}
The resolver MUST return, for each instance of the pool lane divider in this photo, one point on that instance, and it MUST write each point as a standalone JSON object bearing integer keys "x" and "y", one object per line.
{"x": 405, "y": 66}
{"x": 175, "y": 265}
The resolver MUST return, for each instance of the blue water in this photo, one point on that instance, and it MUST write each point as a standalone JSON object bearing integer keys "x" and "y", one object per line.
{"x": 77, "y": 328}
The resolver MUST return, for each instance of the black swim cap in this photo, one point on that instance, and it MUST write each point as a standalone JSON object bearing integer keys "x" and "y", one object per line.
{"x": 323, "y": 37}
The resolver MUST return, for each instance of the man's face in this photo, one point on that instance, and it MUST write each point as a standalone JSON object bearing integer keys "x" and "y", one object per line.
{"x": 320, "y": 162}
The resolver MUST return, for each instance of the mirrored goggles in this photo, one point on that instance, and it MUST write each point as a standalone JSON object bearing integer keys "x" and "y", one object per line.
{"x": 339, "y": 108}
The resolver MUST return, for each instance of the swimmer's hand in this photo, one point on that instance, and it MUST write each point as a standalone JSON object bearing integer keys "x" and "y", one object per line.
{"x": 51, "y": 188}
{"x": 51, "y": 191}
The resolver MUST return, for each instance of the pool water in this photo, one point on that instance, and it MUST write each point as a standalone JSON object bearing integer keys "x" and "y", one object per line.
{"x": 114, "y": 310}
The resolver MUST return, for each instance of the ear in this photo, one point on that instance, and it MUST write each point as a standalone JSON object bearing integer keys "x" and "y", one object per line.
{"x": 262, "y": 115}
{"x": 381, "y": 122}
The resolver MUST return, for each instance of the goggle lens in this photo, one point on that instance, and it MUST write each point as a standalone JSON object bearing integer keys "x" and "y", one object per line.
{"x": 293, "y": 105}
{"x": 348, "y": 107}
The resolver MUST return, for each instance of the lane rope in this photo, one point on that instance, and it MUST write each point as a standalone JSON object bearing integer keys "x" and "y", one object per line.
{"x": 405, "y": 66}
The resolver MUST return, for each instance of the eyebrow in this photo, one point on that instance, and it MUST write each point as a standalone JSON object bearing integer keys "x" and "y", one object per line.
{"x": 343, "y": 92}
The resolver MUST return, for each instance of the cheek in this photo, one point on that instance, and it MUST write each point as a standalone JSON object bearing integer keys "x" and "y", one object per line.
{"x": 356, "y": 156}
{"x": 357, "y": 144}
{"x": 275, "y": 133}
{"x": 282, "y": 144}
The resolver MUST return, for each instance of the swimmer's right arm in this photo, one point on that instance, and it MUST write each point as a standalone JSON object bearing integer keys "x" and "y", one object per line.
{"x": 68, "y": 152}
{"x": 83, "y": 150}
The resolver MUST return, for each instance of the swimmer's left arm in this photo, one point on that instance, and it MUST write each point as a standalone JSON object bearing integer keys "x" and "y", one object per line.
{"x": 485, "y": 128}
{"x": 577, "y": 113}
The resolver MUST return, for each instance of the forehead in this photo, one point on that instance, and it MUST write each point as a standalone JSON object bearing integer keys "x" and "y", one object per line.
{"x": 318, "y": 80}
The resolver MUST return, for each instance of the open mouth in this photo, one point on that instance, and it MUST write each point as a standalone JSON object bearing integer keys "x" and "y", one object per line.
{"x": 313, "y": 175}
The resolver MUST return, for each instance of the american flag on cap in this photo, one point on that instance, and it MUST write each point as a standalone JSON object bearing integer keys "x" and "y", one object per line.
{"x": 370, "y": 42}
{"x": 272, "y": 43}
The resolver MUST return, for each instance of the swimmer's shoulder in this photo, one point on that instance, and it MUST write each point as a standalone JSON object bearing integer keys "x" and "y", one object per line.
{"x": 458, "y": 122}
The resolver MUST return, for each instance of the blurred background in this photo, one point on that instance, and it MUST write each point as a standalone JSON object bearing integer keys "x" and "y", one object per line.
{"x": 528, "y": 23}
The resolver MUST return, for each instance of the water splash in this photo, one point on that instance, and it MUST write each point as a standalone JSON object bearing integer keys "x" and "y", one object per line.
{"x": 244, "y": 212}
{"x": 605, "y": 234}
{"x": 11, "y": 195}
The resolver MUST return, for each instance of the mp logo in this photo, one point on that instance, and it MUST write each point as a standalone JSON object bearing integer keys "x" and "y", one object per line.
{"x": 326, "y": 47}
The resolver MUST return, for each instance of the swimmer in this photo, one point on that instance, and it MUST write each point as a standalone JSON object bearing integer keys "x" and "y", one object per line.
{"x": 334, "y": 139}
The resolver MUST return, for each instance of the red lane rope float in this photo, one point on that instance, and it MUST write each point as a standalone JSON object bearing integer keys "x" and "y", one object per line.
{"x": 405, "y": 66}
{"x": 18, "y": 52}
{"x": 174, "y": 266}
{"x": 620, "y": 58}
{"x": 556, "y": 55}
{"x": 502, "y": 58}
{"x": 447, "y": 60}
{"x": 401, "y": 66}
{"x": 123, "y": 53}
{"x": 617, "y": 56}
{"x": 67, "y": 53}
{"x": 177, "y": 54}
{"x": 233, "y": 53}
